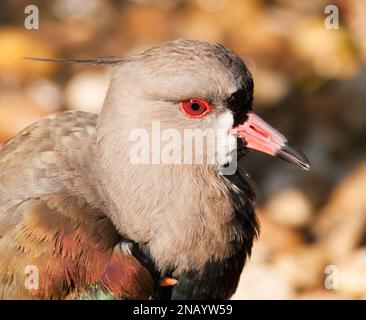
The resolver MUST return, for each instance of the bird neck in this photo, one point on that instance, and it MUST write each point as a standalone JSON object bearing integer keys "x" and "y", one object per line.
{"x": 184, "y": 215}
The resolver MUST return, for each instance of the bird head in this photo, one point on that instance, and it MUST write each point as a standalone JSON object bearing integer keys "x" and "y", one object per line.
{"x": 187, "y": 85}
{"x": 197, "y": 86}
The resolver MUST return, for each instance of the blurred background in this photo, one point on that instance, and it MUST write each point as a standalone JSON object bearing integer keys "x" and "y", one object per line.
{"x": 310, "y": 83}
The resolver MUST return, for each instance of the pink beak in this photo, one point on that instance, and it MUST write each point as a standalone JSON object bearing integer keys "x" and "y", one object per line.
{"x": 260, "y": 136}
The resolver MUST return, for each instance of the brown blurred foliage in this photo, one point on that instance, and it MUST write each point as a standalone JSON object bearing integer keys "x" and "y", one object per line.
{"x": 309, "y": 82}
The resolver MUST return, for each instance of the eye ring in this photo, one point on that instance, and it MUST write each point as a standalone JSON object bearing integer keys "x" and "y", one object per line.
{"x": 195, "y": 108}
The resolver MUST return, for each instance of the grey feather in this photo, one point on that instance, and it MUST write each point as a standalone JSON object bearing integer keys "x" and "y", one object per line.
{"x": 94, "y": 61}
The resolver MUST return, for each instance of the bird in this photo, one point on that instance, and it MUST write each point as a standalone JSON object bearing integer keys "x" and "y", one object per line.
{"x": 79, "y": 219}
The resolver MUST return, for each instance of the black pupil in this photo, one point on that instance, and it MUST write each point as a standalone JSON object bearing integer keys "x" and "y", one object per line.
{"x": 195, "y": 106}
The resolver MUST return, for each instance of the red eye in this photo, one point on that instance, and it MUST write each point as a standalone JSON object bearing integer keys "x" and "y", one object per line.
{"x": 196, "y": 108}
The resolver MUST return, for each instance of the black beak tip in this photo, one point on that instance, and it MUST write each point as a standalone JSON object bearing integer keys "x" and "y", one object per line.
{"x": 295, "y": 156}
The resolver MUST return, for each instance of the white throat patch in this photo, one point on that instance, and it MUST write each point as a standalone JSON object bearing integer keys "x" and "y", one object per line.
{"x": 226, "y": 142}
